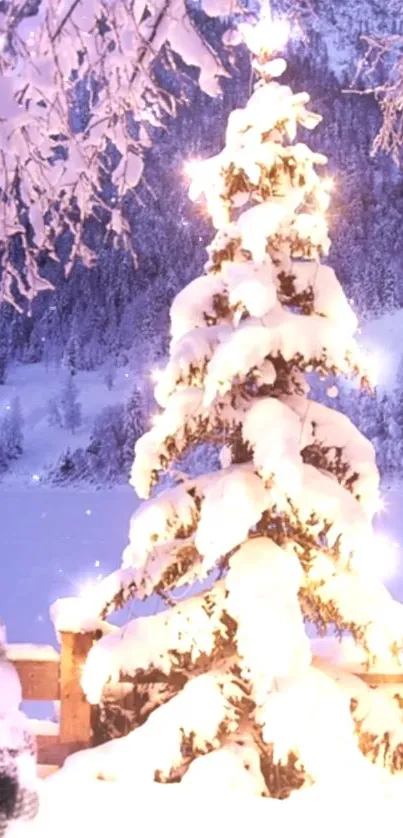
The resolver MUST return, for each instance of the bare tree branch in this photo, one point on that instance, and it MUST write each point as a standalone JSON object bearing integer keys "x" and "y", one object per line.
{"x": 380, "y": 73}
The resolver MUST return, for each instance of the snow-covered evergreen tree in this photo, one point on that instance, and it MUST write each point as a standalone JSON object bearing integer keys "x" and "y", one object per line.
{"x": 281, "y": 534}
{"x": 70, "y": 407}
{"x": 55, "y": 419}
{"x": 72, "y": 354}
{"x": 110, "y": 373}
{"x": 4, "y": 356}
{"x": 11, "y": 430}
{"x": 134, "y": 420}
{"x": 105, "y": 450}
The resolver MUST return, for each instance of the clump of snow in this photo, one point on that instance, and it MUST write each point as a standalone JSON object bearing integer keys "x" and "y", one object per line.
{"x": 309, "y": 717}
{"x": 263, "y": 583}
{"x": 365, "y": 602}
{"x": 157, "y": 521}
{"x": 237, "y": 761}
{"x": 188, "y": 356}
{"x": 31, "y": 652}
{"x": 44, "y": 727}
{"x": 218, "y": 529}
{"x": 321, "y": 503}
{"x": 248, "y": 286}
{"x": 273, "y": 432}
{"x": 336, "y": 433}
{"x": 200, "y": 709}
{"x": 146, "y": 643}
{"x": 329, "y": 299}
{"x": 78, "y": 614}
{"x": 279, "y": 333}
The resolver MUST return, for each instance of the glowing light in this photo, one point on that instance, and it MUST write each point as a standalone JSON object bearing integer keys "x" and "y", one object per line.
{"x": 88, "y": 511}
{"x": 379, "y": 557}
{"x": 328, "y": 184}
{"x": 36, "y": 478}
{"x": 388, "y": 556}
{"x": 192, "y": 168}
{"x": 323, "y": 199}
{"x": 267, "y": 36}
{"x": 86, "y": 589}
{"x": 374, "y": 364}
{"x": 381, "y": 505}
{"x": 156, "y": 376}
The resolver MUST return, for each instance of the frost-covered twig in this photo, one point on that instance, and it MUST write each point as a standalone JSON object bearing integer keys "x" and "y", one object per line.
{"x": 380, "y": 72}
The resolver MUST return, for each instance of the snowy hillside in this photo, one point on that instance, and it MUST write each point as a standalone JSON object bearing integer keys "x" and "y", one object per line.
{"x": 36, "y": 385}
{"x": 43, "y": 444}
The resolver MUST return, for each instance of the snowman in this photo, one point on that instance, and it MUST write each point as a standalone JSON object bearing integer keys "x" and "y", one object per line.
{"x": 18, "y": 782}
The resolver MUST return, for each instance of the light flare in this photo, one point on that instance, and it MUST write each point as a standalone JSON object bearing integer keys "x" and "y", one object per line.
{"x": 192, "y": 168}
{"x": 267, "y": 36}
{"x": 379, "y": 557}
{"x": 328, "y": 184}
{"x": 156, "y": 376}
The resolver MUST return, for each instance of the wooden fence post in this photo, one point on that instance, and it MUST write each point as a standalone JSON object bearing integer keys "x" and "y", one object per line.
{"x": 75, "y": 712}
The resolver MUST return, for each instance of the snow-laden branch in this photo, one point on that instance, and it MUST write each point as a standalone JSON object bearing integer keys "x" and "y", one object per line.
{"x": 73, "y": 76}
{"x": 380, "y": 71}
{"x": 147, "y": 649}
{"x": 172, "y": 737}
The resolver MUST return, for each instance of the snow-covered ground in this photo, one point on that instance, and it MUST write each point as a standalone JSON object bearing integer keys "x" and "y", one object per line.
{"x": 94, "y": 807}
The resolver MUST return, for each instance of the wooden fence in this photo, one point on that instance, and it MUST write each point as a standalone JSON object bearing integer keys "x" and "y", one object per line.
{"x": 49, "y": 675}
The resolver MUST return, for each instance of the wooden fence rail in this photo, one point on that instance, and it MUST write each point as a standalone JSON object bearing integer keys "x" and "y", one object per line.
{"x": 49, "y": 675}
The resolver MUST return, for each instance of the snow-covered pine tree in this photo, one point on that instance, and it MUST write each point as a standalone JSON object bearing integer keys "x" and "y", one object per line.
{"x": 281, "y": 536}
{"x": 134, "y": 425}
{"x": 54, "y": 414}
{"x": 11, "y": 430}
{"x": 70, "y": 407}
{"x": 110, "y": 372}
